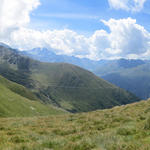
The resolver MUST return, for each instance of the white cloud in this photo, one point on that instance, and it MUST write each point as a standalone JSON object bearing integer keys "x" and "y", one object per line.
{"x": 62, "y": 41}
{"x": 126, "y": 39}
{"x": 128, "y": 5}
{"x": 15, "y": 14}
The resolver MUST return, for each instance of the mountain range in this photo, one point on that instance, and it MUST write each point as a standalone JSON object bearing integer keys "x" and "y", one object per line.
{"x": 60, "y": 84}
{"x": 48, "y": 55}
{"x": 42, "y": 93}
{"x": 130, "y": 74}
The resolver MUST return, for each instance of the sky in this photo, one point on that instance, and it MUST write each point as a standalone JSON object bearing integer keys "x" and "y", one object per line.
{"x": 94, "y": 29}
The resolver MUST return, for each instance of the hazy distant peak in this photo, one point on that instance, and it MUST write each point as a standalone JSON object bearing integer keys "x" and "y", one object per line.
{"x": 4, "y": 45}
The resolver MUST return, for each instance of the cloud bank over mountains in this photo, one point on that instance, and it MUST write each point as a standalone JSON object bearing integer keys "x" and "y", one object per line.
{"x": 125, "y": 39}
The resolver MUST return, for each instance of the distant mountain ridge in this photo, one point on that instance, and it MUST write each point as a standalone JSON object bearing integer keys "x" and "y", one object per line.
{"x": 4, "y": 45}
{"x": 132, "y": 75}
{"x": 113, "y": 66}
{"x": 135, "y": 80}
{"x": 64, "y": 85}
{"x": 48, "y": 55}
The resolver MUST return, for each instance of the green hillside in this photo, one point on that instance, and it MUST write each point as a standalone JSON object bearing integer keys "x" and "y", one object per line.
{"x": 121, "y": 128}
{"x": 63, "y": 85}
{"x": 16, "y": 100}
{"x": 76, "y": 89}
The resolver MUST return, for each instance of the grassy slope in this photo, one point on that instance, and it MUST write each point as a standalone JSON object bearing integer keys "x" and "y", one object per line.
{"x": 18, "y": 89}
{"x": 16, "y": 100}
{"x": 121, "y": 128}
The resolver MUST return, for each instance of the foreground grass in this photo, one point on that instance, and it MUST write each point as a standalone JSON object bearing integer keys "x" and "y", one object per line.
{"x": 121, "y": 128}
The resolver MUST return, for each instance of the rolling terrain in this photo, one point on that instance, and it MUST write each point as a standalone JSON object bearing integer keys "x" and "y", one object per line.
{"x": 121, "y": 128}
{"x": 63, "y": 85}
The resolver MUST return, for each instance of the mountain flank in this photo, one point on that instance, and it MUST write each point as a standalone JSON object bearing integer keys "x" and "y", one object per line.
{"x": 63, "y": 85}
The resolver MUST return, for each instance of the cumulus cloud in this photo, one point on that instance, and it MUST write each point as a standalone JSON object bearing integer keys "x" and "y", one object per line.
{"x": 125, "y": 39}
{"x": 15, "y": 14}
{"x": 128, "y": 5}
{"x": 62, "y": 41}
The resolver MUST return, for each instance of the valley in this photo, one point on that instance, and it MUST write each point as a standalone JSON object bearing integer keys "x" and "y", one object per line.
{"x": 62, "y": 85}
{"x": 74, "y": 75}
{"x": 52, "y": 105}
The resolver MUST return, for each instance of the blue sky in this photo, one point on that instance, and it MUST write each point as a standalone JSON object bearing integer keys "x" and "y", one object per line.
{"x": 82, "y": 15}
{"x": 94, "y": 29}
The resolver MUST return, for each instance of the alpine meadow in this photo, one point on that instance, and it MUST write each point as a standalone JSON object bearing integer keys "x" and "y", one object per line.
{"x": 74, "y": 75}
